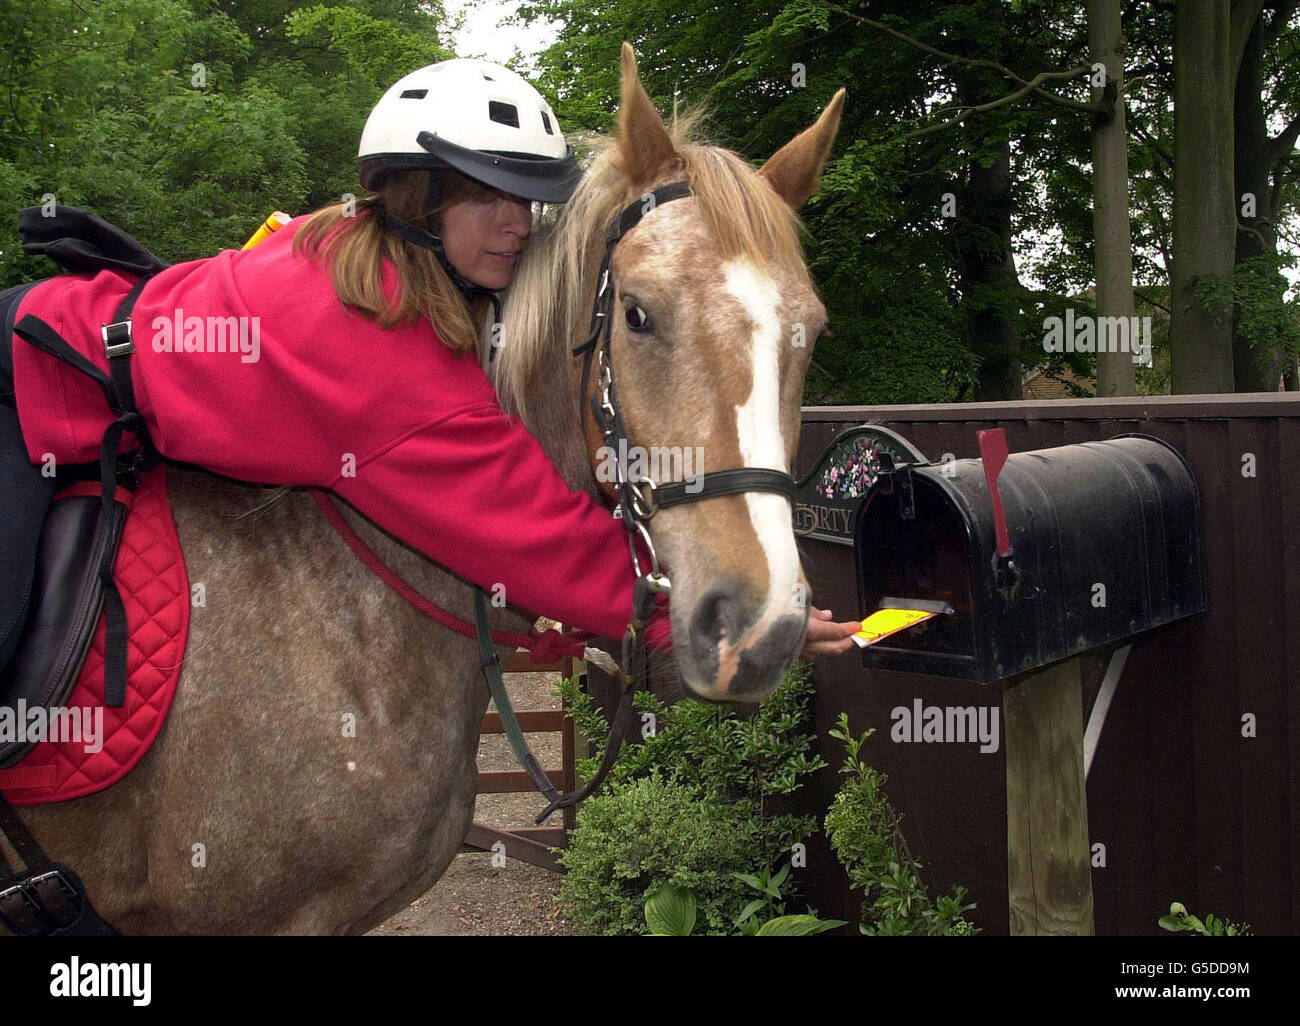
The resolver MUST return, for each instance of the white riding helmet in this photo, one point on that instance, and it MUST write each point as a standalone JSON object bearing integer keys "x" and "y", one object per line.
{"x": 475, "y": 117}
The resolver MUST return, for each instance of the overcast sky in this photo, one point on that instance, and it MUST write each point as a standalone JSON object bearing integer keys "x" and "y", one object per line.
{"x": 484, "y": 35}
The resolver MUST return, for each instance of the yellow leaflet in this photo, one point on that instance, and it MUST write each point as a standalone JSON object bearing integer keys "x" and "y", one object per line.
{"x": 885, "y": 622}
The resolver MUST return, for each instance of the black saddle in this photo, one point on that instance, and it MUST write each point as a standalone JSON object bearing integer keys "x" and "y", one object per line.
{"x": 73, "y": 577}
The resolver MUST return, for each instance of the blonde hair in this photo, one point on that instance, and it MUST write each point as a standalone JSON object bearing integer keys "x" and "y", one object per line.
{"x": 353, "y": 248}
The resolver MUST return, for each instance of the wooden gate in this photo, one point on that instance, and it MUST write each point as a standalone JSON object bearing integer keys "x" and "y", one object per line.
{"x": 531, "y": 844}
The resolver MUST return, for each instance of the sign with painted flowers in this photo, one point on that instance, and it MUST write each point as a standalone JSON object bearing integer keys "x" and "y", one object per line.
{"x": 828, "y": 496}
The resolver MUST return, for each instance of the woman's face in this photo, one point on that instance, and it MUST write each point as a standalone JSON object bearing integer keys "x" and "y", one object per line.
{"x": 483, "y": 230}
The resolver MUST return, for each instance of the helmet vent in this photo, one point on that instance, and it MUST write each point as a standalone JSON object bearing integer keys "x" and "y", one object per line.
{"x": 414, "y": 94}
{"x": 503, "y": 113}
{"x": 546, "y": 123}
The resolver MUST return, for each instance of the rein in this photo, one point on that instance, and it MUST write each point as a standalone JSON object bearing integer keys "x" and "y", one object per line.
{"x": 542, "y": 646}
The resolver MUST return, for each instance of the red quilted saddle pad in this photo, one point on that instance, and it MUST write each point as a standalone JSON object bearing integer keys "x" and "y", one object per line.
{"x": 155, "y": 590}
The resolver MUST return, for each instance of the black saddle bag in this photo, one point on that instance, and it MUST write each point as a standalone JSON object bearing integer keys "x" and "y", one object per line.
{"x": 78, "y": 241}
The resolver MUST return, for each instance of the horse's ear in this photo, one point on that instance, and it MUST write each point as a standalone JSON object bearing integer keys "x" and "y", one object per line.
{"x": 643, "y": 141}
{"x": 794, "y": 170}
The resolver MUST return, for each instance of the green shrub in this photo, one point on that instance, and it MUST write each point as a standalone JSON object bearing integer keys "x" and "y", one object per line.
{"x": 712, "y": 747}
{"x": 1180, "y": 920}
{"x": 863, "y": 831}
{"x": 645, "y": 833}
{"x": 689, "y": 807}
{"x": 670, "y": 912}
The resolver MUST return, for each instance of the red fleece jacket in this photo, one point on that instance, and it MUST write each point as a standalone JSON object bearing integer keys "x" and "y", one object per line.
{"x": 312, "y": 393}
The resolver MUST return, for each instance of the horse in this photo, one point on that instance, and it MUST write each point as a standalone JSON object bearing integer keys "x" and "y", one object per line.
{"x": 255, "y": 811}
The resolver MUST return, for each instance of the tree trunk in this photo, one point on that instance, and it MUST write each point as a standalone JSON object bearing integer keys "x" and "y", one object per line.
{"x": 987, "y": 267}
{"x": 1204, "y": 215}
{"x": 1113, "y": 242}
{"x": 1258, "y": 367}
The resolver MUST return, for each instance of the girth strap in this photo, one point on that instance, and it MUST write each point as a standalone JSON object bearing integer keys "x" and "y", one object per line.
{"x": 118, "y": 347}
{"x": 47, "y": 898}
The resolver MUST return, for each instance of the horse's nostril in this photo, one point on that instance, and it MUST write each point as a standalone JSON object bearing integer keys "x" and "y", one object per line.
{"x": 766, "y": 660}
{"x": 719, "y": 611}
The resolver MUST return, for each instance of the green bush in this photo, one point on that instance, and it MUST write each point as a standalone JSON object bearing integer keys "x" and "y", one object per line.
{"x": 645, "y": 833}
{"x": 1180, "y": 920}
{"x": 689, "y": 807}
{"x": 670, "y": 912}
{"x": 712, "y": 747}
{"x": 863, "y": 831}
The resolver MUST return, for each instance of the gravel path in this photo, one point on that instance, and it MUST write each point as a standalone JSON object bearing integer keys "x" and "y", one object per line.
{"x": 473, "y": 898}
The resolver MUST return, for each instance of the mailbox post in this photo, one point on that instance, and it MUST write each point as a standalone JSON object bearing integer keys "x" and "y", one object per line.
{"x": 1040, "y": 556}
{"x": 1049, "y": 876}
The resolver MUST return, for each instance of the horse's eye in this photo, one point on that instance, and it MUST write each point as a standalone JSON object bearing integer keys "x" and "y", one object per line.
{"x": 637, "y": 319}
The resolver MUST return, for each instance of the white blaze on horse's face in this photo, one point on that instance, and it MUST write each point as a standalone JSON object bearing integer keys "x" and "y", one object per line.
{"x": 762, "y": 444}
{"x": 720, "y": 369}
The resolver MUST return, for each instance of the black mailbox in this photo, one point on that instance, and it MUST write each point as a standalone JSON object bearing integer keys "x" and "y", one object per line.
{"x": 1105, "y": 542}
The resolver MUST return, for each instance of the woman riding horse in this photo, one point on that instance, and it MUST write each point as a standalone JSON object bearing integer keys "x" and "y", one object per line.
{"x": 343, "y": 353}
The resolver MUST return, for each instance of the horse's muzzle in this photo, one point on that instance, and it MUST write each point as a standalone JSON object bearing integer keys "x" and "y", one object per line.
{"x": 729, "y": 656}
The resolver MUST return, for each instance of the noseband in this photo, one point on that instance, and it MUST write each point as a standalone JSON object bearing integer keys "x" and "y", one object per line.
{"x": 636, "y": 506}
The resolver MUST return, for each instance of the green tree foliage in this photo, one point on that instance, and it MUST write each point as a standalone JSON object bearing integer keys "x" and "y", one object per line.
{"x": 887, "y": 259}
{"x": 188, "y": 122}
{"x": 764, "y": 72}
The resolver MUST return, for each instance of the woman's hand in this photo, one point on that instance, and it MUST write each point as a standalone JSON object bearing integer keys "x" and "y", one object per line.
{"x": 825, "y": 637}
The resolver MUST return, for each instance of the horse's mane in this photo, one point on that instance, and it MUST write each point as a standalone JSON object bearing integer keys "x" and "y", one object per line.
{"x": 549, "y": 301}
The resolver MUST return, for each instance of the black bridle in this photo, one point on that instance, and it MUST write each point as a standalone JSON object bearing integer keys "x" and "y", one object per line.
{"x": 635, "y": 506}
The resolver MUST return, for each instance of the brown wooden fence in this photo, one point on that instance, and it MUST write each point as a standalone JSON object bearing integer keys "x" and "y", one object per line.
{"x": 1193, "y": 792}
{"x": 531, "y": 844}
